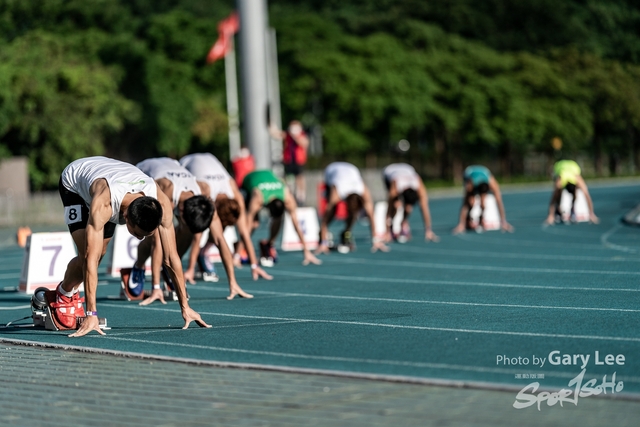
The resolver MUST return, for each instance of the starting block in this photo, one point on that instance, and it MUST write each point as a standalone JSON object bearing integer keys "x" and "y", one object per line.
{"x": 490, "y": 216}
{"x": 380, "y": 219}
{"x": 125, "y": 294}
{"x": 125, "y": 252}
{"x": 308, "y": 222}
{"x": 580, "y": 207}
{"x": 43, "y": 317}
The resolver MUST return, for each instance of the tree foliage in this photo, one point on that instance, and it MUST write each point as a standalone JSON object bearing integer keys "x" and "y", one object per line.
{"x": 127, "y": 78}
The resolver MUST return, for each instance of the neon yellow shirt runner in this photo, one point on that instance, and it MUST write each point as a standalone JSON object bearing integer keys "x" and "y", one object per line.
{"x": 566, "y": 171}
{"x": 267, "y": 182}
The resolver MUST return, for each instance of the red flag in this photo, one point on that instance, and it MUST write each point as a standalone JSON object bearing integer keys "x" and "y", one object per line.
{"x": 226, "y": 29}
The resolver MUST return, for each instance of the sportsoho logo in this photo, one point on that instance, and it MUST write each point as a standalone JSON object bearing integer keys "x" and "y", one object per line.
{"x": 530, "y": 395}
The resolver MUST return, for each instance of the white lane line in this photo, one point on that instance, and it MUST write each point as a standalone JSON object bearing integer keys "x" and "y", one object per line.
{"x": 484, "y": 254}
{"x": 212, "y": 327}
{"x": 570, "y": 231}
{"x": 404, "y": 301}
{"x": 410, "y": 327}
{"x": 17, "y": 307}
{"x": 531, "y": 243}
{"x": 354, "y": 359}
{"x": 316, "y": 357}
{"x": 604, "y": 239}
{"x": 450, "y": 282}
{"x": 480, "y": 267}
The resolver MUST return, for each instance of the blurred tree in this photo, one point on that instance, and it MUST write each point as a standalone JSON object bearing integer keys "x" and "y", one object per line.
{"x": 612, "y": 92}
{"x": 608, "y": 28}
{"x": 373, "y": 90}
{"x": 155, "y": 51}
{"x": 474, "y": 78}
{"x": 55, "y": 106}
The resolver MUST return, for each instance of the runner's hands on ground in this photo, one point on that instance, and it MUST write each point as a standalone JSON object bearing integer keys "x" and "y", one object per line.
{"x": 379, "y": 245}
{"x": 309, "y": 258}
{"x": 237, "y": 261}
{"x": 594, "y": 219}
{"x": 431, "y": 236}
{"x": 459, "y": 229}
{"x": 322, "y": 249}
{"x": 90, "y": 323}
{"x": 258, "y": 272}
{"x": 189, "y": 276}
{"x": 235, "y": 289}
{"x": 387, "y": 237}
{"x": 550, "y": 220}
{"x": 156, "y": 295}
{"x": 505, "y": 226}
{"x": 191, "y": 316}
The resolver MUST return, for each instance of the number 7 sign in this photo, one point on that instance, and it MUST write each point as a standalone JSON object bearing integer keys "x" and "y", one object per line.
{"x": 45, "y": 260}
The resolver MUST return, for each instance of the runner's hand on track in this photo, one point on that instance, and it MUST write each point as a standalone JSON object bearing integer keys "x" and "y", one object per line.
{"x": 309, "y": 258}
{"x": 156, "y": 295}
{"x": 506, "y": 227}
{"x": 91, "y": 323}
{"x": 379, "y": 245}
{"x": 257, "y": 272}
{"x": 431, "y": 236}
{"x": 191, "y": 316}
{"x": 189, "y": 276}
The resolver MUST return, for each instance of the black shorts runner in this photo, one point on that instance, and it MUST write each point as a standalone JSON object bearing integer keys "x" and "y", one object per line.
{"x": 76, "y": 212}
{"x": 293, "y": 169}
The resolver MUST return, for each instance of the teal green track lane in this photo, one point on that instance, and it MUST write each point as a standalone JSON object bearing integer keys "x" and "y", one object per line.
{"x": 483, "y": 309}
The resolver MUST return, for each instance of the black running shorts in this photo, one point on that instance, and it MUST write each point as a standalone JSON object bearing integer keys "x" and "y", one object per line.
{"x": 76, "y": 212}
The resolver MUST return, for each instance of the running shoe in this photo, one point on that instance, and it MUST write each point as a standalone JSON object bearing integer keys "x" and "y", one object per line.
{"x": 136, "y": 281}
{"x": 243, "y": 256}
{"x": 347, "y": 243}
{"x": 268, "y": 254}
{"x": 66, "y": 309}
{"x": 171, "y": 287}
{"x": 207, "y": 268}
{"x": 210, "y": 277}
{"x": 405, "y": 234}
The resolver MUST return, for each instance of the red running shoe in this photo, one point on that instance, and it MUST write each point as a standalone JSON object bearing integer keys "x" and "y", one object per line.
{"x": 66, "y": 309}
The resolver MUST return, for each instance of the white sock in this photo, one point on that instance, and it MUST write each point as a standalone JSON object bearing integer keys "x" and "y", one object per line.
{"x": 65, "y": 293}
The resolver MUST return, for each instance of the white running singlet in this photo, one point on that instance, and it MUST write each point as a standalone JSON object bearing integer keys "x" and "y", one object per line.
{"x": 121, "y": 177}
{"x": 404, "y": 175}
{"x": 345, "y": 177}
{"x": 206, "y": 167}
{"x": 164, "y": 167}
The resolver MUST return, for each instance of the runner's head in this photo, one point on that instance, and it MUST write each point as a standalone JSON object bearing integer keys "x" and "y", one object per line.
{"x": 354, "y": 203}
{"x": 144, "y": 213}
{"x": 197, "y": 213}
{"x": 228, "y": 211}
{"x": 410, "y": 196}
{"x": 276, "y": 208}
{"x": 482, "y": 188}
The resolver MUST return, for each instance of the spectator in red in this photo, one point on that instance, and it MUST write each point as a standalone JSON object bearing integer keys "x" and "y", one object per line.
{"x": 294, "y": 156}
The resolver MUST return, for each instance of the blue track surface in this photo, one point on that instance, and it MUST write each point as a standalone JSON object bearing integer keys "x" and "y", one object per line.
{"x": 447, "y": 311}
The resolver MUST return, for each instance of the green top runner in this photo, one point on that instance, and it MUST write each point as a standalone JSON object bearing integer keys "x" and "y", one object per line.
{"x": 269, "y": 185}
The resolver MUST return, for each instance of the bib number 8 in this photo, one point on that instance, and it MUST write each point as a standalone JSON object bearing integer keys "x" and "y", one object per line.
{"x": 73, "y": 214}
